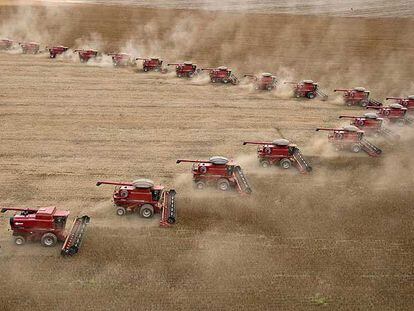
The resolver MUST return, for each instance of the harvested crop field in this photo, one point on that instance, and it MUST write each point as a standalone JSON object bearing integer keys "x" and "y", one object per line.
{"x": 340, "y": 238}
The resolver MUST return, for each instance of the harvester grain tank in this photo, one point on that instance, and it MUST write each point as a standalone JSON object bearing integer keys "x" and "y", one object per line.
{"x": 351, "y": 138}
{"x": 143, "y": 197}
{"x": 282, "y": 153}
{"x": 218, "y": 172}
{"x": 47, "y": 225}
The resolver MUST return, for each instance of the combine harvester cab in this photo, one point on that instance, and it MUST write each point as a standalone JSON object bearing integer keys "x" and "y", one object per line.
{"x": 152, "y": 64}
{"x": 121, "y": 59}
{"x": 394, "y": 113}
{"x": 218, "y": 172}
{"x": 264, "y": 82}
{"x": 57, "y": 50}
{"x": 185, "y": 69}
{"x": 282, "y": 153}
{"x": 407, "y": 102}
{"x": 351, "y": 138}
{"x": 47, "y": 225}
{"x": 358, "y": 96}
{"x": 371, "y": 124}
{"x": 30, "y": 47}
{"x": 307, "y": 89}
{"x": 143, "y": 197}
{"x": 6, "y": 44}
{"x": 86, "y": 55}
{"x": 222, "y": 74}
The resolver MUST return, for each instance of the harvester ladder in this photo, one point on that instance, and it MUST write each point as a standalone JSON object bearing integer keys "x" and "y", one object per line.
{"x": 169, "y": 211}
{"x": 242, "y": 183}
{"x": 303, "y": 165}
{"x": 74, "y": 239}
{"x": 369, "y": 148}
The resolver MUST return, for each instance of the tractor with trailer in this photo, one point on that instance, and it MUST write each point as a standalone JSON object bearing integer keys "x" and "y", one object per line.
{"x": 47, "y": 225}
{"x": 121, "y": 59}
{"x": 144, "y": 198}
{"x": 282, "y": 153}
{"x": 218, "y": 172}
{"x": 358, "y": 96}
{"x": 86, "y": 54}
{"x": 185, "y": 69}
{"x": 57, "y": 50}
{"x": 394, "y": 113}
{"x": 221, "y": 74}
{"x": 265, "y": 81}
{"x": 6, "y": 44}
{"x": 407, "y": 102}
{"x": 351, "y": 138}
{"x": 152, "y": 64}
{"x": 30, "y": 47}
{"x": 307, "y": 89}
{"x": 371, "y": 124}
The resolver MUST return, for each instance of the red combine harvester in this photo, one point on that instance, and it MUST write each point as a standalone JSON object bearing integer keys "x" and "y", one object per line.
{"x": 220, "y": 172}
{"x": 57, "y": 50}
{"x": 307, "y": 89}
{"x": 265, "y": 82}
{"x": 221, "y": 74}
{"x": 407, "y": 102}
{"x": 370, "y": 123}
{"x": 358, "y": 96}
{"x": 143, "y": 197}
{"x": 394, "y": 113}
{"x": 351, "y": 138}
{"x": 47, "y": 225}
{"x": 186, "y": 69}
{"x": 152, "y": 64}
{"x": 280, "y": 152}
{"x": 86, "y": 55}
{"x": 6, "y": 44}
{"x": 30, "y": 47}
{"x": 121, "y": 59}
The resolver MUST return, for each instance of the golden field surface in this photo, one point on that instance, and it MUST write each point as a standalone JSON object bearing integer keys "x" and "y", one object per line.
{"x": 340, "y": 238}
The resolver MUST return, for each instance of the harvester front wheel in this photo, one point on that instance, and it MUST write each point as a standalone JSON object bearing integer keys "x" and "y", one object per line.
{"x": 49, "y": 240}
{"x": 223, "y": 184}
{"x": 356, "y": 148}
{"x": 311, "y": 95}
{"x": 285, "y": 164}
{"x": 146, "y": 211}
{"x": 364, "y": 103}
{"x": 19, "y": 240}
{"x": 120, "y": 211}
{"x": 400, "y": 122}
{"x": 200, "y": 185}
{"x": 265, "y": 164}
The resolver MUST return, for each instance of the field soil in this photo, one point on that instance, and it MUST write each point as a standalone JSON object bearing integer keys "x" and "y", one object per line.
{"x": 340, "y": 238}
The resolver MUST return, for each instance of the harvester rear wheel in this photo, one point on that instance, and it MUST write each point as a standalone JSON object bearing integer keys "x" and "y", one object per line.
{"x": 223, "y": 184}
{"x": 49, "y": 240}
{"x": 285, "y": 164}
{"x": 200, "y": 185}
{"x": 120, "y": 211}
{"x": 356, "y": 148}
{"x": 19, "y": 240}
{"x": 146, "y": 211}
